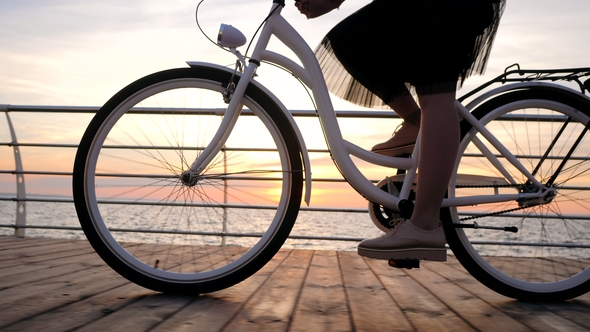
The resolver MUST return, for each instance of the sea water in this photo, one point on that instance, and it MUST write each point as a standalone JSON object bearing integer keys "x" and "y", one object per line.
{"x": 348, "y": 227}
{"x": 344, "y": 225}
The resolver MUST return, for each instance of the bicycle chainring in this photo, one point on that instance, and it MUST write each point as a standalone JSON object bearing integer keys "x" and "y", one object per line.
{"x": 382, "y": 216}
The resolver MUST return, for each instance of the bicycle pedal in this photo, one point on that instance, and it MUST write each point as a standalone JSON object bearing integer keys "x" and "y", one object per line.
{"x": 404, "y": 263}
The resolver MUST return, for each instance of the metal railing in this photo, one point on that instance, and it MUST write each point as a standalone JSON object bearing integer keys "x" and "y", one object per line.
{"x": 20, "y": 198}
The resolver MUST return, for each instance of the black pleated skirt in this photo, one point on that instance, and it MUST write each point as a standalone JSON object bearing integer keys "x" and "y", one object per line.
{"x": 433, "y": 45}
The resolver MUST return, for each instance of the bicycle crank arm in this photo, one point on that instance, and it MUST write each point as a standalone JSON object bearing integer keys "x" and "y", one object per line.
{"x": 475, "y": 225}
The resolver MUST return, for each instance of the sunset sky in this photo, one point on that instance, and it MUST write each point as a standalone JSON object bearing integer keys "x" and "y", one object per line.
{"x": 79, "y": 53}
{"x": 66, "y": 52}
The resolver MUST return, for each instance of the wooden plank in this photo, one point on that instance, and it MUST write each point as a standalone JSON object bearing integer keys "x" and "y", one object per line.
{"x": 425, "y": 311}
{"x": 13, "y": 242}
{"x": 173, "y": 258}
{"x": 45, "y": 248}
{"x": 322, "y": 304}
{"x": 574, "y": 311}
{"x": 583, "y": 299}
{"x": 13, "y": 269}
{"x": 53, "y": 293}
{"x": 569, "y": 267}
{"x": 536, "y": 269}
{"x": 271, "y": 307}
{"x": 83, "y": 312}
{"x": 71, "y": 288}
{"x": 42, "y": 285}
{"x": 533, "y": 315}
{"x": 47, "y": 272}
{"x": 372, "y": 307}
{"x": 140, "y": 315}
{"x": 474, "y": 310}
{"x": 40, "y": 254}
{"x": 211, "y": 312}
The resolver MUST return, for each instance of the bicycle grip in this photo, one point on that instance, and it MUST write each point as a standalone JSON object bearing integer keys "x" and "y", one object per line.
{"x": 512, "y": 229}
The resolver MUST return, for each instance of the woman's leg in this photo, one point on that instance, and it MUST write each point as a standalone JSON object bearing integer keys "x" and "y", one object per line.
{"x": 407, "y": 108}
{"x": 422, "y": 237}
{"x": 439, "y": 143}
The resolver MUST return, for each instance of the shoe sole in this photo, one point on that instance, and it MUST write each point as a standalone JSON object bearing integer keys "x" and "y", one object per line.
{"x": 396, "y": 151}
{"x": 427, "y": 254}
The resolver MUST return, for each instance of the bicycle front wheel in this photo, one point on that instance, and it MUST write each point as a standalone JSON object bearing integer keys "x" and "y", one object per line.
{"x": 193, "y": 237}
{"x": 548, "y": 258}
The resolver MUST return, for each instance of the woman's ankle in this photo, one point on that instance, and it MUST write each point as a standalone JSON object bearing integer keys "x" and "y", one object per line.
{"x": 426, "y": 226}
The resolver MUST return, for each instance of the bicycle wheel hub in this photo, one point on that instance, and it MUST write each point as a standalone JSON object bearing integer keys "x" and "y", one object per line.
{"x": 547, "y": 198}
{"x": 189, "y": 179}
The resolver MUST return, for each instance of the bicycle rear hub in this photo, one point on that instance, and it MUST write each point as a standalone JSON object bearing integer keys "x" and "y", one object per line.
{"x": 545, "y": 199}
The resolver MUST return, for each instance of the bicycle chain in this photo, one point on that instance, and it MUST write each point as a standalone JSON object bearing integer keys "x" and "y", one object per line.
{"x": 497, "y": 213}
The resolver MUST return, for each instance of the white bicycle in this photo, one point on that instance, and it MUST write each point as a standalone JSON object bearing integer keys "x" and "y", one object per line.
{"x": 190, "y": 180}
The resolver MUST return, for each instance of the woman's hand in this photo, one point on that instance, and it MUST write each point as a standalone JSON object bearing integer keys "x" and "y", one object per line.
{"x": 315, "y": 8}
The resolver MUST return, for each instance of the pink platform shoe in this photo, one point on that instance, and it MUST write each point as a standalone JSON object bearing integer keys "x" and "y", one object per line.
{"x": 406, "y": 241}
{"x": 402, "y": 141}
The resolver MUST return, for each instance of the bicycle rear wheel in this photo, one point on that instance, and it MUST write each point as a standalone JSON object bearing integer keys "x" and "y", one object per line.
{"x": 178, "y": 237}
{"x": 548, "y": 258}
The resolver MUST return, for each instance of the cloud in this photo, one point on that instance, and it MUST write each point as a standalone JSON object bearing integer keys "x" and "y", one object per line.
{"x": 81, "y": 52}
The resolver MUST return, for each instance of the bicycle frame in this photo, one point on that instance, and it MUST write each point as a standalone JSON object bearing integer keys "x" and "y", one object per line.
{"x": 341, "y": 150}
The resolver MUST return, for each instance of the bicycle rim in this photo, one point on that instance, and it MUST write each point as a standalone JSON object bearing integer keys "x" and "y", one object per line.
{"x": 547, "y": 259}
{"x": 197, "y": 237}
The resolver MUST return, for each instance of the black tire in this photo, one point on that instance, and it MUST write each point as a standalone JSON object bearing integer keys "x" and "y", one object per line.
{"x": 548, "y": 258}
{"x": 186, "y": 238}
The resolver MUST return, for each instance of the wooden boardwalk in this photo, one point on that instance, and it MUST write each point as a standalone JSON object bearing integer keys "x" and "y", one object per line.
{"x": 62, "y": 285}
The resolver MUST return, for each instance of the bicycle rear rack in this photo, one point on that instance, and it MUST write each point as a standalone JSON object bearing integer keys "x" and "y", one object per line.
{"x": 516, "y": 75}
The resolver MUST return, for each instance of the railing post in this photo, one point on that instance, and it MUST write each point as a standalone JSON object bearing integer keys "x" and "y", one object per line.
{"x": 224, "y": 229}
{"x": 21, "y": 211}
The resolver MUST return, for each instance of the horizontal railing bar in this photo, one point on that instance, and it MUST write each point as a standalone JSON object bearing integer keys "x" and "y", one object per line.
{"x": 211, "y": 111}
{"x": 174, "y": 148}
{"x": 523, "y": 215}
{"x": 527, "y": 156}
{"x": 221, "y": 111}
{"x": 36, "y": 173}
{"x": 63, "y": 228}
{"x": 219, "y": 234}
{"x": 293, "y": 237}
{"x": 50, "y": 109}
{"x": 303, "y": 208}
{"x": 70, "y": 200}
{"x": 39, "y": 145}
{"x": 148, "y": 176}
{"x": 145, "y": 176}
{"x": 529, "y": 117}
{"x": 532, "y": 244}
{"x": 39, "y": 200}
